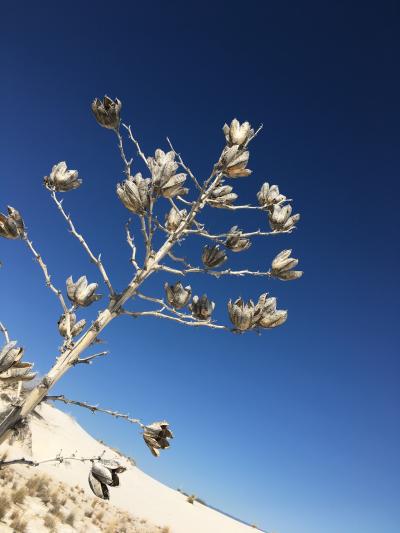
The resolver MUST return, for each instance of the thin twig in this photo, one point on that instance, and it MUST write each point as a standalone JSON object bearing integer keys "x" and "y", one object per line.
{"x": 215, "y": 273}
{"x": 184, "y": 166}
{"x": 51, "y": 286}
{"x": 96, "y": 260}
{"x": 57, "y": 459}
{"x": 159, "y": 314}
{"x": 127, "y": 163}
{"x": 88, "y": 360}
{"x": 131, "y": 244}
{"x": 94, "y": 408}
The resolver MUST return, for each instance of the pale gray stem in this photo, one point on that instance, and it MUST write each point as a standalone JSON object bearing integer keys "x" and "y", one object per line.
{"x": 88, "y": 360}
{"x": 94, "y": 408}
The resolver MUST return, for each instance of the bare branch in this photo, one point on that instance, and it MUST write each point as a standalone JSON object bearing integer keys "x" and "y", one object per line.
{"x": 215, "y": 273}
{"x": 88, "y": 360}
{"x": 57, "y": 459}
{"x": 94, "y": 408}
{"x": 50, "y": 285}
{"x": 5, "y": 332}
{"x": 184, "y": 166}
{"x": 256, "y": 233}
{"x": 190, "y": 322}
{"x": 96, "y": 260}
{"x": 127, "y": 164}
{"x": 136, "y": 143}
{"x": 131, "y": 244}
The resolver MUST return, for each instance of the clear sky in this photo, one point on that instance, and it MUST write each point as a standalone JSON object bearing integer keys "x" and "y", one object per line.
{"x": 296, "y": 430}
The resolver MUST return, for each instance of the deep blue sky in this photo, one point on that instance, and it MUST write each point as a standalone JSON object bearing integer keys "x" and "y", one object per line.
{"x": 296, "y": 430}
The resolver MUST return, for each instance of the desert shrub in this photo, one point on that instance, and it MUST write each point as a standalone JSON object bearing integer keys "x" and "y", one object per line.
{"x": 89, "y": 513}
{"x": 19, "y": 495}
{"x": 165, "y": 529}
{"x": 99, "y": 515}
{"x": 191, "y": 499}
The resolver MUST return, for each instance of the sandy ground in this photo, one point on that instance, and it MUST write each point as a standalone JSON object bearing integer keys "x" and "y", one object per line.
{"x": 139, "y": 494}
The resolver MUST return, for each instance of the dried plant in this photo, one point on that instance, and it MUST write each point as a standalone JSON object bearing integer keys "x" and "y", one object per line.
{"x": 167, "y": 199}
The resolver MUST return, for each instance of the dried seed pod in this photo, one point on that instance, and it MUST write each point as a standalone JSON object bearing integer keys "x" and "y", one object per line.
{"x": 265, "y": 313}
{"x": 235, "y": 242}
{"x": 134, "y": 193}
{"x": 237, "y": 133}
{"x": 241, "y": 314}
{"x": 81, "y": 293}
{"x": 269, "y": 195}
{"x": 9, "y": 355}
{"x": 61, "y": 179}
{"x": 222, "y": 196}
{"x": 75, "y": 327}
{"x": 107, "y": 112}
{"x": 280, "y": 218}
{"x": 202, "y": 308}
{"x": 165, "y": 182}
{"x": 98, "y": 488}
{"x": 234, "y": 162}
{"x": 16, "y": 374}
{"x": 282, "y": 266}
{"x": 174, "y": 218}
{"x": 177, "y": 295}
{"x": 213, "y": 256}
{"x": 11, "y": 225}
{"x": 156, "y": 436}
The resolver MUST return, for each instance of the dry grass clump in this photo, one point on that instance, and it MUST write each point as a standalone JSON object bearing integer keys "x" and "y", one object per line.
{"x": 70, "y": 519}
{"x": 19, "y": 495}
{"x": 18, "y": 524}
{"x": 4, "y": 505}
{"x": 166, "y": 529}
{"x": 50, "y": 522}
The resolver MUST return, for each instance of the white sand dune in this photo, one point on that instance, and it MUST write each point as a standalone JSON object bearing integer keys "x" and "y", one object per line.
{"x": 138, "y": 494}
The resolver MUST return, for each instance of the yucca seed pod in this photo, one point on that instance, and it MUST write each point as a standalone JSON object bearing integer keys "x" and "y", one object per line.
{"x": 234, "y": 162}
{"x": 98, "y": 488}
{"x": 222, "y": 196}
{"x": 15, "y": 374}
{"x": 269, "y": 195}
{"x": 165, "y": 181}
{"x": 202, "y": 308}
{"x": 81, "y": 293}
{"x": 103, "y": 474}
{"x": 107, "y": 112}
{"x": 11, "y": 225}
{"x": 75, "y": 327}
{"x": 156, "y": 436}
{"x": 266, "y": 315}
{"x": 235, "y": 242}
{"x": 282, "y": 266}
{"x": 241, "y": 314}
{"x": 134, "y": 193}
{"x": 9, "y": 355}
{"x": 61, "y": 179}
{"x": 237, "y": 133}
{"x": 213, "y": 256}
{"x": 281, "y": 218}
{"x": 174, "y": 218}
{"x": 177, "y": 295}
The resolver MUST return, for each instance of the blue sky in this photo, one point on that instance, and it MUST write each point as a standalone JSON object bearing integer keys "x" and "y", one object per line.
{"x": 296, "y": 430}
